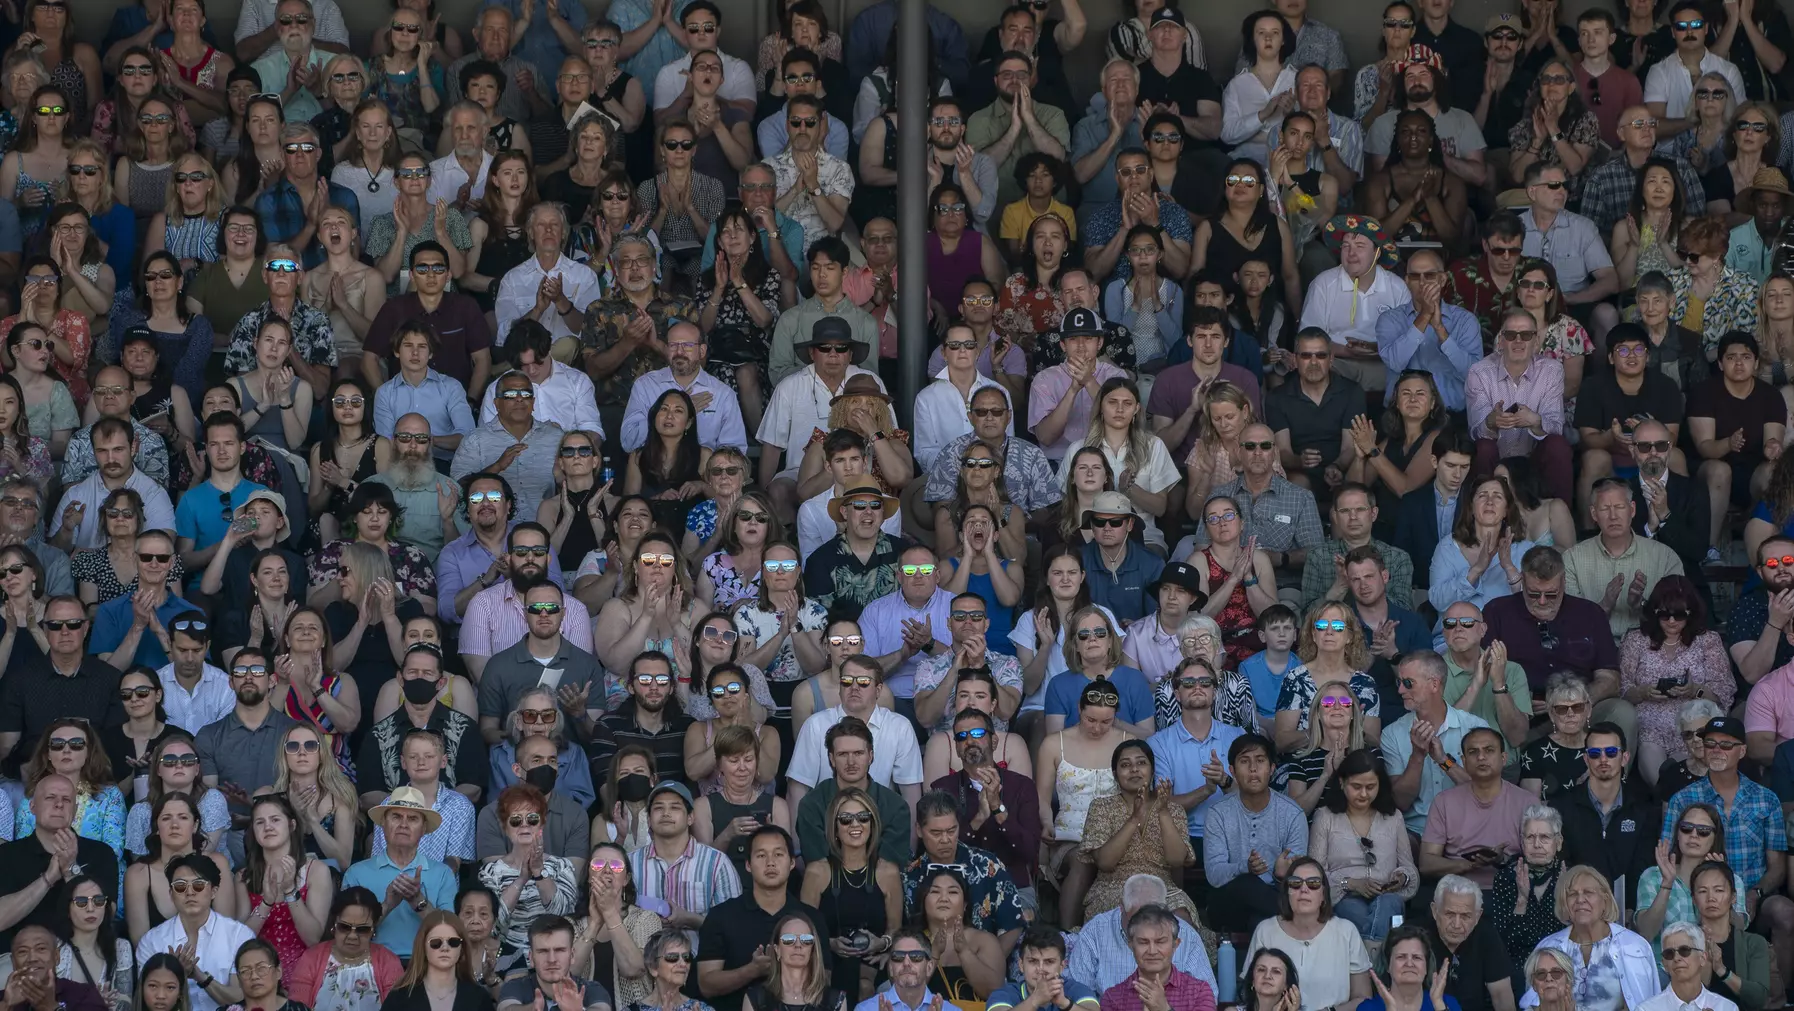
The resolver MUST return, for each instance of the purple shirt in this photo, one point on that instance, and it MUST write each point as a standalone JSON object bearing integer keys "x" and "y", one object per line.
{"x": 882, "y": 625}
{"x": 1490, "y": 389}
{"x": 1044, "y": 395}
{"x": 1172, "y": 389}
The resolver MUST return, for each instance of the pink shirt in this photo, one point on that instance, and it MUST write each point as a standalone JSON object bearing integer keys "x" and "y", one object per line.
{"x": 1619, "y": 90}
{"x": 494, "y": 621}
{"x": 1044, "y": 395}
{"x": 1460, "y": 822}
{"x": 857, "y": 284}
{"x": 1771, "y": 705}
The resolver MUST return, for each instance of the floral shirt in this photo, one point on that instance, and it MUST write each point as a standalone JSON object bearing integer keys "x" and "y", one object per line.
{"x": 72, "y": 327}
{"x": 1299, "y": 690}
{"x": 411, "y": 568}
{"x": 994, "y": 904}
{"x": 1680, "y": 905}
{"x": 1468, "y": 286}
{"x": 1566, "y": 339}
{"x": 1024, "y": 311}
{"x": 760, "y": 626}
{"x": 605, "y": 321}
{"x": 313, "y": 337}
{"x": 384, "y": 229}
{"x": 1234, "y": 702}
{"x": 1586, "y": 130}
{"x": 34, "y": 461}
{"x": 1732, "y": 306}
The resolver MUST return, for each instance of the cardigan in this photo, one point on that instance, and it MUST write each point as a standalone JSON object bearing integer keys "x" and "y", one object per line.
{"x": 308, "y": 972}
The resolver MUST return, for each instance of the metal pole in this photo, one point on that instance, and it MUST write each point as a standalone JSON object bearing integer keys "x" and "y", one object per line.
{"x": 912, "y": 199}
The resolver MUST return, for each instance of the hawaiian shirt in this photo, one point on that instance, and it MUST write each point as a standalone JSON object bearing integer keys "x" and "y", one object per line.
{"x": 381, "y": 232}
{"x": 835, "y": 577}
{"x": 1732, "y": 306}
{"x": 1469, "y": 287}
{"x": 313, "y": 337}
{"x": 994, "y": 905}
{"x": 1118, "y": 348}
{"x": 605, "y": 321}
{"x": 411, "y": 570}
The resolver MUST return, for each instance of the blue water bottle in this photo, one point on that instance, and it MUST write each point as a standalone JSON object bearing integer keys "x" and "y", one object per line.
{"x": 1227, "y": 972}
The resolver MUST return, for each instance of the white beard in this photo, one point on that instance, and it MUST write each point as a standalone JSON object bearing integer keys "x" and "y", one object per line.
{"x": 411, "y": 475}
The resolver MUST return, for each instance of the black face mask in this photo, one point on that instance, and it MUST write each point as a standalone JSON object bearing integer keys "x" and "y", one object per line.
{"x": 633, "y": 788}
{"x": 542, "y": 777}
{"x": 417, "y": 690}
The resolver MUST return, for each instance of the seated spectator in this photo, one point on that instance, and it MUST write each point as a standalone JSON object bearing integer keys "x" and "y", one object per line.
{"x": 1624, "y": 568}
{"x": 1425, "y": 515}
{"x": 114, "y": 396}
{"x": 1390, "y": 630}
{"x": 1122, "y": 847}
{"x": 1234, "y": 578}
{"x": 857, "y": 844}
{"x": 1647, "y": 240}
{"x": 1617, "y": 847}
{"x": 1044, "y": 972}
{"x": 1151, "y": 644}
{"x": 1737, "y": 426}
{"x": 1613, "y": 404}
{"x": 1093, "y": 653}
{"x": 1332, "y": 647}
{"x": 1333, "y": 734}
{"x": 1118, "y": 568}
{"x": 1740, "y": 958}
{"x": 563, "y": 394}
{"x": 1687, "y": 963}
{"x": 1672, "y": 657}
{"x": 1666, "y": 888}
{"x": 1755, "y": 840}
{"x": 1483, "y": 976}
{"x": 1084, "y": 758}
{"x": 1413, "y": 978}
{"x": 895, "y": 762}
{"x": 1691, "y": 718}
{"x": 1423, "y": 750}
{"x": 1330, "y": 958}
{"x": 348, "y": 955}
{"x": 1103, "y": 957}
{"x": 212, "y": 937}
{"x": 740, "y": 799}
{"x": 1312, "y": 418}
{"x": 1621, "y": 970}
{"x": 1153, "y": 935}
{"x": 380, "y": 767}
{"x": 1475, "y": 825}
{"x": 566, "y": 831}
{"x": 1370, "y": 874}
{"x": 705, "y": 876}
{"x": 1180, "y": 396}
{"x": 177, "y": 833}
{"x": 283, "y": 892}
{"x": 1428, "y": 346}
{"x": 1060, "y": 401}
{"x": 423, "y": 757}
{"x": 1005, "y": 816}
{"x": 1756, "y": 642}
{"x": 992, "y": 899}
{"x": 971, "y": 959}
{"x": 1264, "y": 671}
{"x": 1272, "y": 496}
{"x": 1348, "y": 300}
{"x": 1553, "y": 765}
{"x": 1249, "y": 837}
{"x": 1560, "y": 129}
{"x": 534, "y": 887}
{"x": 851, "y": 755}
{"x": 1413, "y": 194}
{"x": 1749, "y": 250}
{"x": 1515, "y": 400}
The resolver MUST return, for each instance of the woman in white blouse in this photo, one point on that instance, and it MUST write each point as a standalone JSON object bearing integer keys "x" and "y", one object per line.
{"x": 1257, "y": 98}
{"x": 1329, "y": 955}
{"x": 1142, "y": 466}
{"x": 1619, "y": 970}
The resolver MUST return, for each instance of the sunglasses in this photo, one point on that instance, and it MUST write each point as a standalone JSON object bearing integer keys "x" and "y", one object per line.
{"x": 732, "y": 470}
{"x": 911, "y": 955}
{"x": 1681, "y": 952}
{"x": 1552, "y": 184}
{"x": 517, "y": 395}
{"x": 1268, "y": 445}
{"x": 538, "y": 716}
{"x": 731, "y": 688}
{"x": 1672, "y": 614}
{"x": 1659, "y": 446}
{"x": 781, "y": 564}
{"x": 808, "y": 123}
{"x": 1610, "y": 751}
{"x": 1776, "y": 563}
{"x": 58, "y": 624}
{"x": 354, "y": 928}
{"x": 675, "y": 957}
{"x": 968, "y": 615}
{"x": 1195, "y": 682}
{"x": 301, "y": 147}
{"x": 1086, "y": 634}
{"x": 974, "y": 734}
{"x": 1337, "y": 702}
{"x": 418, "y": 172}
{"x": 568, "y": 452}
{"x": 532, "y": 819}
{"x": 282, "y": 266}
{"x": 856, "y": 681}
{"x": 725, "y": 635}
{"x": 1329, "y": 625}
{"x": 84, "y": 170}
{"x": 1460, "y": 622}
{"x": 1690, "y": 828}
{"x": 958, "y": 207}
{"x": 791, "y": 939}
{"x": 854, "y": 818}
{"x": 1242, "y": 180}
{"x": 68, "y": 744}
{"x": 475, "y": 498}
{"x": 833, "y": 349}
{"x": 438, "y": 943}
{"x": 353, "y": 75}
{"x": 1102, "y": 699}
{"x": 654, "y": 679}
{"x": 155, "y": 557}
{"x": 415, "y": 437}
{"x": 655, "y": 558}
{"x": 1753, "y": 126}
{"x": 1691, "y": 26}
{"x": 139, "y": 692}
{"x": 186, "y": 761}
{"x": 918, "y": 570}
{"x": 51, "y": 110}
{"x": 181, "y": 886}
{"x": 548, "y": 607}
{"x": 1097, "y": 522}
{"x": 1312, "y": 884}
{"x": 405, "y": 29}
{"x": 846, "y": 640}
{"x": 254, "y": 670}
{"x": 678, "y": 145}
{"x": 308, "y": 746}
{"x": 84, "y": 901}
{"x": 154, "y": 118}
{"x": 530, "y": 550}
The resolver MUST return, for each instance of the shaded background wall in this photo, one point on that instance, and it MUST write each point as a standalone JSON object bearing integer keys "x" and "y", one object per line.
{"x": 745, "y": 21}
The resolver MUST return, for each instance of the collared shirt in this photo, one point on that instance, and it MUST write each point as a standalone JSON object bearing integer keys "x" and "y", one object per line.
{"x": 1318, "y": 572}
{"x": 158, "y": 512}
{"x": 257, "y": 16}
{"x": 669, "y": 83}
{"x": 1588, "y": 568}
{"x": 773, "y": 134}
{"x": 517, "y": 295}
{"x": 1607, "y": 190}
{"x": 1337, "y": 304}
{"x": 1014, "y": 993}
{"x": 151, "y": 457}
{"x": 1469, "y": 286}
{"x": 607, "y": 318}
{"x": 1748, "y": 253}
{"x": 719, "y": 422}
{"x": 794, "y": 327}
{"x": 1572, "y": 245}
{"x": 1241, "y": 102}
{"x": 281, "y": 207}
{"x": 1754, "y": 826}
{"x": 441, "y": 400}
{"x": 1151, "y": 648}
{"x": 313, "y": 337}
{"x": 36, "y": 693}
{"x": 1348, "y": 141}
{"x": 1027, "y": 474}
{"x": 1181, "y": 755}
{"x": 942, "y": 415}
{"x": 398, "y": 928}
{"x": 695, "y": 880}
{"x": 623, "y": 726}
{"x": 887, "y": 999}
{"x": 378, "y": 767}
{"x": 447, "y": 177}
{"x": 1123, "y": 589}
{"x": 1669, "y": 82}
{"x": 815, "y": 527}
{"x": 1044, "y": 394}
{"x": 1403, "y": 347}
{"x": 896, "y": 758}
{"x": 1283, "y": 516}
{"x": 236, "y": 754}
{"x": 566, "y": 399}
{"x": 1457, "y": 682}
{"x": 1102, "y": 958}
{"x": 210, "y": 700}
{"x": 1102, "y": 222}
{"x": 274, "y": 65}
{"x": 791, "y": 237}
{"x": 990, "y": 124}
{"x": 1489, "y": 387}
{"x": 112, "y": 622}
{"x": 994, "y": 903}
{"x": 833, "y": 177}
{"x": 1706, "y": 999}
{"x": 424, "y": 534}
{"x": 514, "y": 670}
{"x": 1397, "y": 747}
{"x": 1015, "y": 840}
{"x": 1232, "y": 832}
{"x": 452, "y": 838}
{"x": 215, "y": 950}
{"x": 464, "y": 560}
{"x": 881, "y": 622}
{"x": 530, "y": 474}
{"x": 799, "y": 406}
{"x": 494, "y": 621}
{"x": 1183, "y": 992}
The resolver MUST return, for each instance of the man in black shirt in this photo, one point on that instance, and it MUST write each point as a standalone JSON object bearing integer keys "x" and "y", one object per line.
{"x": 66, "y": 681}
{"x": 1607, "y": 826}
{"x": 1672, "y": 509}
{"x": 1757, "y": 629}
{"x": 1612, "y": 403}
{"x": 1458, "y": 46}
{"x": 734, "y": 938}
{"x": 422, "y": 679}
{"x": 35, "y": 870}
{"x": 1027, "y": 30}
{"x": 649, "y": 717}
{"x": 1480, "y": 973}
{"x": 1167, "y": 79}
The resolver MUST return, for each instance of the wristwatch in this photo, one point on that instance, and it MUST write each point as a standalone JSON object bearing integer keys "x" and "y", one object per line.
{"x": 1500, "y": 691}
{"x": 1557, "y": 137}
{"x": 1448, "y": 763}
{"x": 1375, "y": 451}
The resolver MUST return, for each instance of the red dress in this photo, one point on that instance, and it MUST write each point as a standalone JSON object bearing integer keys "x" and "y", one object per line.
{"x": 282, "y": 932}
{"x": 1236, "y": 617}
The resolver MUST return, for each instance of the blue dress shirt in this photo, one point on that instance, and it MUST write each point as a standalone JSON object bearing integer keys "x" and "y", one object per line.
{"x": 113, "y": 621}
{"x": 441, "y": 400}
{"x": 1403, "y": 347}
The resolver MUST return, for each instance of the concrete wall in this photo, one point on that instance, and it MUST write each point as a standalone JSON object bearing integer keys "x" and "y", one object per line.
{"x": 1359, "y": 21}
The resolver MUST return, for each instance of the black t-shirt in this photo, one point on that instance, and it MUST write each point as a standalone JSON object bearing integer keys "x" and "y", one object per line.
{"x": 735, "y": 929}
{"x": 1602, "y": 402}
{"x": 1186, "y": 86}
{"x": 26, "y": 860}
{"x": 1746, "y": 623}
{"x": 1479, "y": 961}
{"x": 1315, "y": 426}
{"x": 1760, "y": 407}
{"x": 1558, "y": 768}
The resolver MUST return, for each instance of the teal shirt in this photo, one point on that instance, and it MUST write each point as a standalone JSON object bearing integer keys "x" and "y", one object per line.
{"x": 1746, "y": 252}
{"x": 399, "y": 928}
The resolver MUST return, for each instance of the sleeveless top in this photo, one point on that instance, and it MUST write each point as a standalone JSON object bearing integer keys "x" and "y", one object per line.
{"x": 1235, "y": 616}
{"x": 32, "y": 219}
{"x": 331, "y": 685}
{"x": 504, "y": 248}
{"x": 878, "y": 201}
{"x": 149, "y": 188}
{"x": 580, "y": 540}
{"x": 722, "y": 812}
{"x": 1226, "y": 253}
{"x": 267, "y": 426}
{"x": 501, "y": 137}
{"x": 338, "y": 505}
{"x": 1419, "y": 227}
{"x": 190, "y": 238}
{"x": 948, "y": 272}
{"x": 846, "y": 907}
{"x": 204, "y": 73}
{"x": 1076, "y": 787}
{"x": 159, "y": 399}
{"x": 731, "y": 589}
{"x": 315, "y": 292}
{"x": 280, "y": 930}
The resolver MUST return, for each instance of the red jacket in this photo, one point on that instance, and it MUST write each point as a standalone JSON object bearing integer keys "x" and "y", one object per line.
{"x": 308, "y": 974}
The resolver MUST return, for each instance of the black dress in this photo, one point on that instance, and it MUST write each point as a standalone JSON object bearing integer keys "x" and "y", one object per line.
{"x": 561, "y": 187}
{"x": 505, "y": 247}
{"x": 338, "y": 506}
{"x": 159, "y": 400}
{"x": 831, "y": 1000}
{"x": 469, "y": 996}
{"x": 851, "y": 903}
{"x": 1226, "y": 253}
{"x": 580, "y": 540}
{"x": 878, "y": 201}
{"x": 373, "y": 665}
{"x": 1388, "y": 502}
{"x": 722, "y": 812}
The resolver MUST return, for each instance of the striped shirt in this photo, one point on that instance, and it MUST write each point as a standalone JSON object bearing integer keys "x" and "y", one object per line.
{"x": 453, "y": 838}
{"x": 699, "y": 878}
{"x": 192, "y": 238}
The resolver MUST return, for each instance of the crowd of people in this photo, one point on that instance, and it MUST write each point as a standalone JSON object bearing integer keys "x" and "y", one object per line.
{"x": 459, "y": 550}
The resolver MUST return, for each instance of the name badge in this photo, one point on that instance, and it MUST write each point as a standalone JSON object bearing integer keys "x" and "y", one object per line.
{"x": 1281, "y": 518}
{"x": 1628, "y": 825}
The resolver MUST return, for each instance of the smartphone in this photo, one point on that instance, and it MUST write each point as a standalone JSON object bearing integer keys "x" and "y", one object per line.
{"x": 1477, "y": 854}
{"x": 1395, "y": 921}
{"x": 1665, "y": 684}
{"x": 1511, "y": 408}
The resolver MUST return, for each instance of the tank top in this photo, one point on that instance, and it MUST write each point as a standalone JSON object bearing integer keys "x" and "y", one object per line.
{"x": 1226, "y": 253}
{"x": 159, "y": 399}
{"x": 149, "y": 188}
{"x": 852, "y": 901}
{"x": 722, "y": 812}
{"x": 267, "y": 426}
{"x": 580, "y": 540}
{"x": 503, "y": 249}
{"x": 949, "y": 272}
{"x": 1075, "y": 787}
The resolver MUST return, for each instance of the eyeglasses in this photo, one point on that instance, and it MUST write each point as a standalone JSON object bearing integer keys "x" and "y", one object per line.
{"x": 17, "y": 502}
{"x": 729, "y": 688}
{"x": 653, "y": 558}
{"x": 451, "y": 943}
{"x": 1329, "y": 625}
{"x": 354, "y": 401}
{"x": 726, "y": 636}
{"x": 1690, "y": 828}
{"x": 854, "y": 818}
{"x": 918, "y": 570}
{"x": 936, "y": 121}
{"x": 543, "y": 607}
{"x": 967, "y": 615}
{"x": 187, "y": 761}
{"x": 973, "y": 734}
{"x": 354, "y": 928}
{"x": 139, "y": 692}
{"x": 1086, "y": 634}
{"x": 181, "y": 886}
{"x": 58, "y": 624}
{"x": 532, "y": 819}
{"x": 1098, "y": 522}
{"x": 857, "y": 681}
{"x": 307, "y": 746}
{"x": 1610, "y": 751}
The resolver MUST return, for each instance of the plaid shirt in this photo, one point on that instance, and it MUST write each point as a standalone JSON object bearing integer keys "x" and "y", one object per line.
{"x": 313, "y": 337}
{"x": 1183, "y": 992}
{"x": 281, "y": 209}
{"x": 1027, "y": 474}
{"x": 605, "y": 322}
{"x": 1607, "y": 191}
{"x": 1318, "y": 573}
{"x": 1754, "y": 826}
{"x": 1283, "y": 518}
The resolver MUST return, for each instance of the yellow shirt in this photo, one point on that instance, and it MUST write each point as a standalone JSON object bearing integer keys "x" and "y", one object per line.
{"x": 1018, "y": 216}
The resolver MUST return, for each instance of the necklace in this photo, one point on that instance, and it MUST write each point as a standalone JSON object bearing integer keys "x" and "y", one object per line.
{"x": 373, "y": 183}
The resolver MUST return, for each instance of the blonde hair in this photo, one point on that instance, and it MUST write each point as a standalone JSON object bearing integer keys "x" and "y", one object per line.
{"x": 1610, "y": 907}
{"x": 366, "y": 563}
{"x": 1070, "y": 650}
{"x": 1223, "y": 391}
{"x": 1357, "y": 651}
{"x": 681, "y": 571}
{"x": 176, "y": 213}
{"x": 1354, "y": 733}
{"x": 330, "y": 775}
{"x": 65, "y": 192}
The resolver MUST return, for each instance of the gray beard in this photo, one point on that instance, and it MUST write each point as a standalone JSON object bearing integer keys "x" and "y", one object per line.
{"x": 411, "y": 475}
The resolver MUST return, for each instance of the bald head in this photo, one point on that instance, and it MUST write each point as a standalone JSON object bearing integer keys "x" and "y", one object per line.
{"x": 1638, "y": 131}
{"x": 113, "y": 393}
